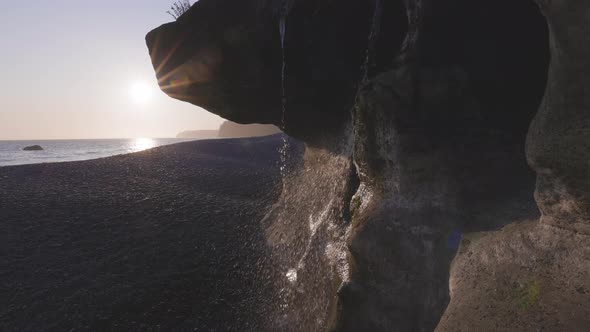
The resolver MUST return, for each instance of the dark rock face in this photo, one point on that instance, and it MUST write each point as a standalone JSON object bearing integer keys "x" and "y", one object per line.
{"x": 558, "y": 144}
{"x": 33, "y": 148}
{"x": 538, "y": 271}
{"x": 419, "y": 187}
{"x": 225, "y": 56}
{"x": 431, "y": 101}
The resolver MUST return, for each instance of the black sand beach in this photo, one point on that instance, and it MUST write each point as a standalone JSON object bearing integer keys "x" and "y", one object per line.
{"x": 165, "y": 239}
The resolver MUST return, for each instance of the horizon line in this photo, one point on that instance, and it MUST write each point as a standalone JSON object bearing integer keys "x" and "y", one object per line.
{"x": 80, "y": 139}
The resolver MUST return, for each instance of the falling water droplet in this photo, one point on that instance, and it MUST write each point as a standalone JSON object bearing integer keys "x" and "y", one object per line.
{"x": 291, "y": 275}
{"x": 282, "y": 31}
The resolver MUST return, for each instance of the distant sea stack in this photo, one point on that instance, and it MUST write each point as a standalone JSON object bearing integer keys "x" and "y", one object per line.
{"x": 33, "y": 148}
{"x": 231, "y": 129}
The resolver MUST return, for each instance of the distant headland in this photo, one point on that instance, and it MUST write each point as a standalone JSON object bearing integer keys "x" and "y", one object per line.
{"x": 198, "y": 134}
{"x": 230, "y": 129}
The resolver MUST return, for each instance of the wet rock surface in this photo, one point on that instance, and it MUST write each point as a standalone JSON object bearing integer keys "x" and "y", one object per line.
{"x": 308, "y": 251}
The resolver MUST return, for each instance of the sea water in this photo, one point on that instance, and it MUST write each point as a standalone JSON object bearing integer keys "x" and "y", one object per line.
{"x": 11, "y": 152}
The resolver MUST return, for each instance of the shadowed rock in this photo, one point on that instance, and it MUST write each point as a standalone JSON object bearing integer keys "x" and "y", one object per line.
{"x": 225, "y": 56}
{"x": 535, "y": 276}
{"x": 558, "y": 145}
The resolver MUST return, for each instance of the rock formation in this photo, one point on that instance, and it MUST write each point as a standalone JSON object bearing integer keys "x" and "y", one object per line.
{"x": 536, "y": 275}
{"x": 558, "y": 144}
{"x": 226, "y": 57}
{"x": 526, "y": 277}
{"x": 415, "y": 114}
{"x": 33, "y": 148}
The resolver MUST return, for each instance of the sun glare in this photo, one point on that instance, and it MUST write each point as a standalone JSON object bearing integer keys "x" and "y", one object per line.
{"x": 140, "y": 92}
{"x": 140, "y": 144}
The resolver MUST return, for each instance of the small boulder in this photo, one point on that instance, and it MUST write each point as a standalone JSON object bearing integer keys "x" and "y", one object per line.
{"x": 33, "y": 148}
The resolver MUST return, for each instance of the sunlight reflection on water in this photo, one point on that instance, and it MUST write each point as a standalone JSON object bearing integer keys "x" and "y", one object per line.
{"x": 141, "y": 144}
{"x": 11, "y": 152}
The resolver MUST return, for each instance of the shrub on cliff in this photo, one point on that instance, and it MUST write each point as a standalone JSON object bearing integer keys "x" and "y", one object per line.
{"x": 179, "y": 8}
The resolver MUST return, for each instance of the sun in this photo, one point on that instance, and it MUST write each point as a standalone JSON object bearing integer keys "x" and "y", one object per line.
{"x": 140, "y": 92}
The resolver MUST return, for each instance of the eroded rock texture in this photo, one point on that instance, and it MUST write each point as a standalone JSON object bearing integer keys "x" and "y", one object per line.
{"x": 415, "y": 115}
{"x": 558, "y": 146}
{"x": 534, "y": 276}
{"x": 526, "y": 277}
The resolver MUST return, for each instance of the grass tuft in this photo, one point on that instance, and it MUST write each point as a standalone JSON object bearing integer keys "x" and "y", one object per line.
{"x": 179, "y": 8}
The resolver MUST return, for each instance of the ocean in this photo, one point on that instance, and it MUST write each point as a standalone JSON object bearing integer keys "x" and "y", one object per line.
{"x": 11, "y": 152}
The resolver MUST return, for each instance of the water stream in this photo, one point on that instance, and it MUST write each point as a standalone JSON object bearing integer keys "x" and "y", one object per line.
{"x": 365, "y": 68}
{"x": 373, "y": 33}
{"x": 307, "y": 228}
{"x": 285, "y": 144}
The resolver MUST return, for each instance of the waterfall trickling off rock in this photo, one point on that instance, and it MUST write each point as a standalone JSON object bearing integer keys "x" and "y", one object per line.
{"x": 283, "y": 126}
{"x": 306, "y": 231}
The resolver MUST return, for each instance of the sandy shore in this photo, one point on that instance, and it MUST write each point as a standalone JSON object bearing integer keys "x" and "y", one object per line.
{"x": 166, "y": 239}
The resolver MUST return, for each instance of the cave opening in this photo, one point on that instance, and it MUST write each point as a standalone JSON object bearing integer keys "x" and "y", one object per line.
{"x": 482, "y": 72}
{"x": 503, "y": 48}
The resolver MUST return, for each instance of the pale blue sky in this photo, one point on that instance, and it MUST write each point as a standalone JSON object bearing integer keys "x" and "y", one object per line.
{"x": 66, "y": 68}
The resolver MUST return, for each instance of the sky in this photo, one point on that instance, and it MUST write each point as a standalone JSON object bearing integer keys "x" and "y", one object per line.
{"x": 74, "y": 69}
